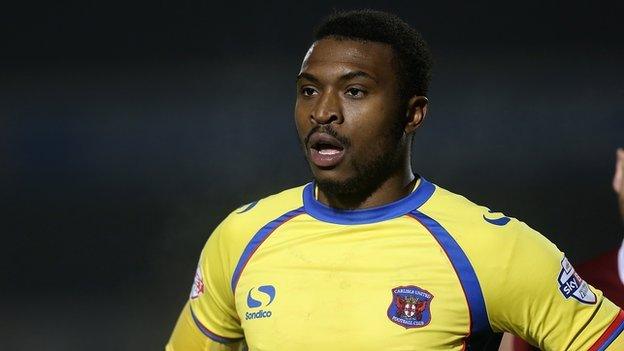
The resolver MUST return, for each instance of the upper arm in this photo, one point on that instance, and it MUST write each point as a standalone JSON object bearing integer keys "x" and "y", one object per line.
{"x": 209, "y": 318}
{"x": 539, "y": 297}
{"x": 187, "y": 337}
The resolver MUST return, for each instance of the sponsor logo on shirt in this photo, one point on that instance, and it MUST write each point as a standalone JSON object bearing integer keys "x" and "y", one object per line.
{"x": 497, "y": 221}
{"x": 410, "y": 306}
{"x": 264, "y": 296}
{"x": 247, "y": 207}
{"x": 198, "y": 284}
{"x": 571, "y": 284}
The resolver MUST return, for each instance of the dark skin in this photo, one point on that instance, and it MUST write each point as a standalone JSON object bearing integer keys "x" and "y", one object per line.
{"x": 618, "y": 179}
{"x": 351, "y": 87}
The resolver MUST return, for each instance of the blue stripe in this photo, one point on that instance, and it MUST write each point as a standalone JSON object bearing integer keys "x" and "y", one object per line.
{"x": 395, "y": 209}
{"x": 465, "y": 272}
{"x": 258, "y": 239}
{"x": 211, "y": 335}
{"x": 613, "y": 336}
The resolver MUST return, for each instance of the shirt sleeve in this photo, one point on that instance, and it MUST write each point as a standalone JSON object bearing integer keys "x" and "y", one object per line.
{"x": 539, "y": 297}
{"x": 187, "y": 337}
{"x": 211, "y": 301}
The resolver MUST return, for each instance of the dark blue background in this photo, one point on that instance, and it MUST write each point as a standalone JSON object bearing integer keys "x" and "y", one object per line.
{"x": 129, "y": 131}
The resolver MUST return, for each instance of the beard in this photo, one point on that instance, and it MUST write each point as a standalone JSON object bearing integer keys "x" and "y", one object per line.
{"x": 386, "y": 159}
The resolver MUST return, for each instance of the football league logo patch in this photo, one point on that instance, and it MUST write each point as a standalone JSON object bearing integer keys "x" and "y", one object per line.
{"x": 198, "y": 285}
{"x": 410, "y": 307}
{"x": 571, "y": 284}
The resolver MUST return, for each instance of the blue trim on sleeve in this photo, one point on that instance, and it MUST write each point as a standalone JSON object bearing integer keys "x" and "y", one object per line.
{"x": 613, "y": 336}
{"x": 258, "y": 239}
{"x": 468, "y": 278}
{"x": 210, "y": 334}
{"x": 368, "y": 215}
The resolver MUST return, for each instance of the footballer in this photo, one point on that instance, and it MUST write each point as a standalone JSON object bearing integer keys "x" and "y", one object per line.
{"x": 370, "y": 255}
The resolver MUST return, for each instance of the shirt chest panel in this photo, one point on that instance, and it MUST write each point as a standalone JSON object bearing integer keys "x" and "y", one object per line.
{"x": 313, "y": 285}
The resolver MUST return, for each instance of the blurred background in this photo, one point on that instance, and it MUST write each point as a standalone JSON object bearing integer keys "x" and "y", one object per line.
{"x": 128, "y": 131}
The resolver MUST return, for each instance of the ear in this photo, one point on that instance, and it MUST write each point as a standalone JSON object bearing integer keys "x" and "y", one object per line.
{"x": 416, "y": 112}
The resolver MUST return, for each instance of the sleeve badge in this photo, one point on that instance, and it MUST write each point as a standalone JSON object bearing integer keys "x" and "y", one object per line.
{"x": 572, "y": 285}
{"x": 198, "y": 285}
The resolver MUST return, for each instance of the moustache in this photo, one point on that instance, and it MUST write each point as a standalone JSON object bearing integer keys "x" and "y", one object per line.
{"x": 327, "y": 129}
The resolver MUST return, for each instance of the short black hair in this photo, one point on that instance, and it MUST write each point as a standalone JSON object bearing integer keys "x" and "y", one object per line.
{"x": 411, "y": 51}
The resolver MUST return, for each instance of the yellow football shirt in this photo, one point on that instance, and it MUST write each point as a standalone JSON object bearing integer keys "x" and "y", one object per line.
{"x": 431, "y": 271}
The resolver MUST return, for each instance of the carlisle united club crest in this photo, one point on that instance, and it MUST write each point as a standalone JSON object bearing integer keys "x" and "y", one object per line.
{"x": 410, "y": 306}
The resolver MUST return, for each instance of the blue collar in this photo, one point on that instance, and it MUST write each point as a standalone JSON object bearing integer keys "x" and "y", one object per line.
{"x": 368, "y": 215}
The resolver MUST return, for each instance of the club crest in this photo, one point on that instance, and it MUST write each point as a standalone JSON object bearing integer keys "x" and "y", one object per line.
{"x": 410, "y": 306}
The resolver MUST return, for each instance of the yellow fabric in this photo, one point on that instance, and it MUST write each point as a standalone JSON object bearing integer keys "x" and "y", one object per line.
{"x": 518, "y": 269}
{"x": 316, "y": 285}
{"x": 617, "y": 344}
{"x": 186, "y": 336}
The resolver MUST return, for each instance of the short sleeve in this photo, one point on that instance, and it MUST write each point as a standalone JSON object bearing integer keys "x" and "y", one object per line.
{"x": 539, "y": 296}
{"x": 211, "y": 299}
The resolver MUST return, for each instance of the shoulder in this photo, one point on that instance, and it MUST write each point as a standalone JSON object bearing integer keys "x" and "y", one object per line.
{"x": 260, "y": 212}
{"x": 491, "y": 240}
{"x": 465, "y": 219}
{"x": 451, "y": 207}
{"x": 239, "y": 227}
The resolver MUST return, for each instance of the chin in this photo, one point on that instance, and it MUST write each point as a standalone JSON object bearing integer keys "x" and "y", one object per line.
{"x": 351, "y": 178}
{"x": 341, "y": 185}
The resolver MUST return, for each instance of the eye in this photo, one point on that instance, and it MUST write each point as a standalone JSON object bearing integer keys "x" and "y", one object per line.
{"x": 308, "y": 91}
{"x": 355, "y": 92}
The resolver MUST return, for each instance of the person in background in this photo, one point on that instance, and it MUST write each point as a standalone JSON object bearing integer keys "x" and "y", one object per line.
{"x": 605, "y": 272}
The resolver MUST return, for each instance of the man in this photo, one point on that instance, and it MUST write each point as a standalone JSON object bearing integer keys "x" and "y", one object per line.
{"x": 606, "y": 272}
{"x": 370, "y": 256}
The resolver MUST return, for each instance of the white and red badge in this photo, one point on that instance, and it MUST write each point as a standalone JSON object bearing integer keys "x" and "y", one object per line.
{"x": 198, "y": 284}
{"x": 572, "y": 285}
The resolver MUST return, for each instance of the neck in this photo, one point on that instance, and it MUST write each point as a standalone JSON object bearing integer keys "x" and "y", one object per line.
{"x": 397, "y": 185}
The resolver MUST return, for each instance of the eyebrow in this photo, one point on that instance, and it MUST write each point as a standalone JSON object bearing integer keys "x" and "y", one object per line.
{"x": 356, "y": 74}
{"x": 348, "y": 76}
{"x": 307, "y": 76}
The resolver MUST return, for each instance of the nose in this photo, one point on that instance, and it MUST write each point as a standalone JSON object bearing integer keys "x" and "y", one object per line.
{"x": 328, "y": 109}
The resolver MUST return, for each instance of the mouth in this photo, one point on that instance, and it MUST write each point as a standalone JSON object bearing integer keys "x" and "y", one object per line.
{"x": 325, "y": 150}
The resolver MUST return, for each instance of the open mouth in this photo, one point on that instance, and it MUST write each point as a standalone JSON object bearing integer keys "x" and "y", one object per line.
{"x": 325, "y": 150}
